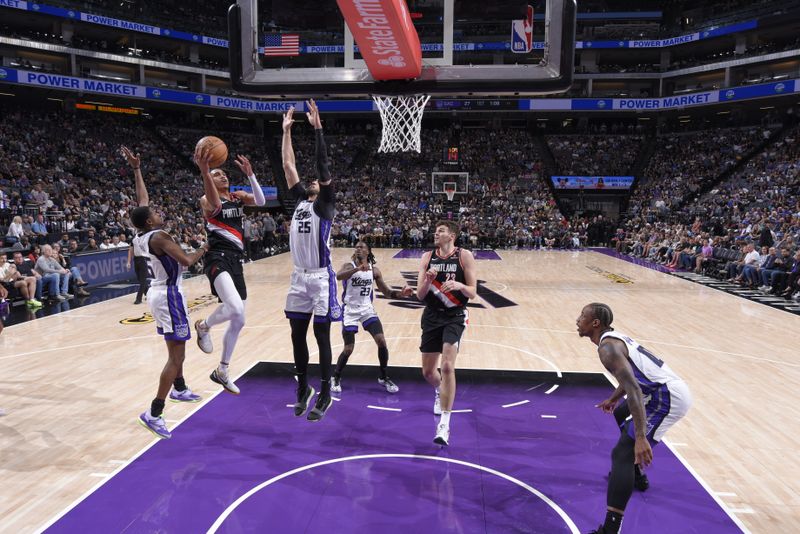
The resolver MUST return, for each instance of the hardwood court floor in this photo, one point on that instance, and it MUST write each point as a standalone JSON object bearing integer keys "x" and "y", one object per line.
{"x": 74, "y": 383}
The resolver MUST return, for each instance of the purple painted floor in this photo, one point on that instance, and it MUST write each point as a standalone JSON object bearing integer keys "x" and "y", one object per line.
{"x": 406, "y": 483}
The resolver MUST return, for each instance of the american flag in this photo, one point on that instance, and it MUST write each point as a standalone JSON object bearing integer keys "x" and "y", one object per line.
{"x": 282, "y": 44}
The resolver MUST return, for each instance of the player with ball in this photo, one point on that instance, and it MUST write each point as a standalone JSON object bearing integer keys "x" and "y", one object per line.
{"x": 224, "y": 214}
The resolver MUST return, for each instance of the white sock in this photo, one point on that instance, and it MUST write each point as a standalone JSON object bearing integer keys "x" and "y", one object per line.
{"x": 222, "y": 370}
{"x": 445, "y": 420}
{"x": 437, "y": 391}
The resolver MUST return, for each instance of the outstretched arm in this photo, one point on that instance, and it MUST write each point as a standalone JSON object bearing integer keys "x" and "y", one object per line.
{"x": 211, "y": 202}
{"x": 142, "y": 198}
{"x": 386, "y": 290}
{"x": 162, "y": 243}
{"x": 257, "y": 197}
{"x": 287, "y": 152}
{"x": 613, "y": 356}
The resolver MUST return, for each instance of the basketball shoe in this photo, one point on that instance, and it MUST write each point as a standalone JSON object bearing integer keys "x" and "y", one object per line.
{"x": 442, "y": 435}
{"x": 203, "y": 337}
{"x": 156, "y": 425}
{"x": 184, "y": 396}
{"x": 390, "y": 386}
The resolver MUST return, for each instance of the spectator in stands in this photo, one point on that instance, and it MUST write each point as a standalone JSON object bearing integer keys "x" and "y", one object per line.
{"x": 91, "y": 246}
{"x": 39, "y": 228}
{"x": 75, "y": 273}
{"x": 25, "y": 267}
{"x": 782, "y": 262}
{"x": 14, "y": 279}
{"x": 705, "y": 256}
{"x": 40, "y": 197}
{"x": 64, "y": 242}
{"x": 54, "y": 276}
{"x": 15, "y": 231}
{"x": 269, "y": 234}
{"x": 106, "y": 244}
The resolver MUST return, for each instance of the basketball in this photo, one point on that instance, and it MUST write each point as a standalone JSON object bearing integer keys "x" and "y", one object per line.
{"x": 219, "y": 151}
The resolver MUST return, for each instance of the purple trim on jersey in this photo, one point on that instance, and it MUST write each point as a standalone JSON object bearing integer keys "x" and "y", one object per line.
{"x": 369, "y": 321}
{"x": 171, "y": 267}
{"x": 321, "y": 319}
{"x": 647, "y": 385}
{"x": 344, "y": 293}
{"x": 297, "y": 315}
{"x": 335, "y": 312}
{"x": 324, "y": 252}
{"x": 655, "y": 412}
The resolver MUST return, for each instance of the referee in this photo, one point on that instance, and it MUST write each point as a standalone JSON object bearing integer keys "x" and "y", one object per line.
{"x": 140, "y": 267}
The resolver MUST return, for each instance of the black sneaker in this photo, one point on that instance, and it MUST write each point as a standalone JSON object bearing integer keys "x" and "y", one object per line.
{"x": 640, "y": 482}
{"x": 301, "y": 405}
{"x": 322, "y": 405}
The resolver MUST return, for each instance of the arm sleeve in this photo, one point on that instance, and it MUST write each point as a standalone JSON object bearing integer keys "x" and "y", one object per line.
{"x": 325, "y": 204}
{"x": 257, "y": 192}
{"x": 298, "y": 191}
{"x": 323, "y": 173}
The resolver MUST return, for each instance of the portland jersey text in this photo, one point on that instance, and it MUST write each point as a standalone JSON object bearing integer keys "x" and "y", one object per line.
{"x": 448, "y": 268}
{"x": 224, "y": 227}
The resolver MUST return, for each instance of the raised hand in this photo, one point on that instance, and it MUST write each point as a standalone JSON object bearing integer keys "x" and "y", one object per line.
{"x": 202, "y": 158}
{"x": 133, "y": 160}
{"x": 288, "y": 120}
{"x": 313, "y": 114}
{"x": 244, "y": 165}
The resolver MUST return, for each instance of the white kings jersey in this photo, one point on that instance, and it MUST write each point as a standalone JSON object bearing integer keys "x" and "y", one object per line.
{"x": 650, "y": 372}
{"x": 166, "y": 270}
{"x": 357, "y": 294}
{"x": 309, "y": 238}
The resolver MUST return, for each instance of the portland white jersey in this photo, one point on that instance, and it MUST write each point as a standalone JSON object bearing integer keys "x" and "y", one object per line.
{"x": 358, "y": 291}
{"x": 166, "y": 270}
{"x": 649, "y": 370}
{"x": 309, "y": 238}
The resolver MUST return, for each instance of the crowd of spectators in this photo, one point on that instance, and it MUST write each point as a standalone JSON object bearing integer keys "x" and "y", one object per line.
{"x": 595, "y": 155}
{"x": 745, "y": 230}
{"x": 682, "y": 162}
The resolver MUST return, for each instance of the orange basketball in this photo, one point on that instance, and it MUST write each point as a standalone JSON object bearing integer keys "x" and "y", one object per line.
{"x": 219, "y": 152}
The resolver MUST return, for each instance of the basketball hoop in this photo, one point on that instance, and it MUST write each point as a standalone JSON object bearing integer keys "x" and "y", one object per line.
{"x": 450, "y": 191}
{"x": 401, "y": 116}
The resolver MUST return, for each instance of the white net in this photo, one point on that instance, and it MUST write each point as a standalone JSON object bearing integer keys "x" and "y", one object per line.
{"x": 402, "y": 121}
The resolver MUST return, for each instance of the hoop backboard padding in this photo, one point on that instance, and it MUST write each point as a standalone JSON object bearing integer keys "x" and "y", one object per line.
{"x": 386, "y": 37}
{"x": 441, "y": 181}
{"x": 553, "y": 74}
{"x": 402, "y": 121}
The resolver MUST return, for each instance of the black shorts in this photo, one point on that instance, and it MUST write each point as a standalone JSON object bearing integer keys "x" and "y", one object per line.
{"x": 218, "y": 262}
{"x": 440, "y": 327}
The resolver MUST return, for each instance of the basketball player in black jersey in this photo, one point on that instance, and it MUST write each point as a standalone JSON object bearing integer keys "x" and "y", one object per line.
{"x": 447, "y": 280}
{"x": 224, "y": 216}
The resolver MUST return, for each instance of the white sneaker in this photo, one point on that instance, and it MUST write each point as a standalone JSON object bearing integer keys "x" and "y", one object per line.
{"x": 224, "y": 381}
{"x": 437, "y": 404}
{"x": 203, "y": 337}
{"x": 442, "y": 435}
{"x": 390, "y": 386}
{"x": 336, "y": 385}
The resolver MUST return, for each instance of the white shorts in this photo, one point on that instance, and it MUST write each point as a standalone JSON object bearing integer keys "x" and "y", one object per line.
{"x": 663, "y": 408}
{"x": 168, "y": 308}
{"x": 679, "y": 404}
{"x": 313, "y": 292}
{"x": 352, "y": 318}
